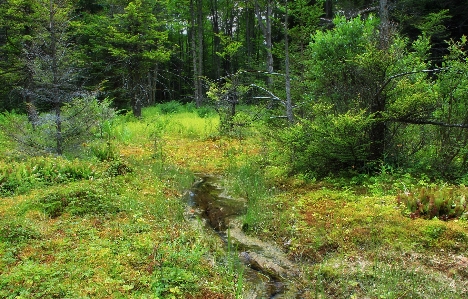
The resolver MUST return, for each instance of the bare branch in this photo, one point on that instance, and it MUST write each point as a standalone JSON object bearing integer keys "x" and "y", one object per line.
{"x": 273, "y": 96}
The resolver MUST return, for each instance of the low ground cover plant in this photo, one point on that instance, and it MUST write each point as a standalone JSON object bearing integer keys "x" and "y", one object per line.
{"x": 444, "y": 203}
{"x": 115, "y": 228}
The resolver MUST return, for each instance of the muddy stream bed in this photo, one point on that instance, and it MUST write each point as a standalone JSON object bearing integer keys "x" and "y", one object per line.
{"x": 267, "y": 272}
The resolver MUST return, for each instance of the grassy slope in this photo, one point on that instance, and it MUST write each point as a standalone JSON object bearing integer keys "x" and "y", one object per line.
{"x": 349, "y": 245}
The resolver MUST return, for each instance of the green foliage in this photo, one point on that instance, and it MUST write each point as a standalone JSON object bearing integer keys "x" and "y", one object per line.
{"x": 327, "y": 143}
{"x": 365, "y": 105}
{"x": 79, "y": 202}
{"x": 34, "y": 280}
{"x": 171, "y": 107}
{"x": 205, "y": 111}
{"x": 19, "y": 177}
{"x": 117, "y": 168}
{"x": 433, "y": 24}
{"x": 173, "y": 282}
{"x": 82, "y": 120}
{"x": 103, "y": 151}
{"x": 428, "y": 203}
{"x": 16, "y": 232}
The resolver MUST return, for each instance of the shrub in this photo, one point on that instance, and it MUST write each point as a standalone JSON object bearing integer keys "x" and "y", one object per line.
{"x": 19, "y": 177}
{"x": 118, "y": 168}
{"x": 205, "y": 111}
{"x": 14, "y": 232}
{"x": 104, "y": 151}
{"x": 171, "y": 107}
{"x": 77, "y": 202}
{"x": 328, "y": 143}
{"x": 445, "y": 203}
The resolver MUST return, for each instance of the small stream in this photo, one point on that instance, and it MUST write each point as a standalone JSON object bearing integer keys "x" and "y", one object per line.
{"x": 267, "y": 272}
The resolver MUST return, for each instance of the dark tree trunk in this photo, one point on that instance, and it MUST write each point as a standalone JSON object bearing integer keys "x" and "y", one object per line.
{"x": 266, "y": 29}
{"x": 216, "y": 39}
{"x": 289, "y": 111}
{"x": 329, "y": 9}
{"x": 55, "y": 80}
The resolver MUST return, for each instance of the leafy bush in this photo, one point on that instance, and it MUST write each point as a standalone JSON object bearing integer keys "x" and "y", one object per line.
{"x": 18, "y": 177}
{"x": 427, "y": 203}
{"x": 14, "y": 232}
{"x": 77, "y": 202}
{"x": 118, "y": 168}
{"x": 328, "y": 143}
{"x": 171, "y": 107}
{"x": 205, "y": 111}
{"x": 103, "y": 151}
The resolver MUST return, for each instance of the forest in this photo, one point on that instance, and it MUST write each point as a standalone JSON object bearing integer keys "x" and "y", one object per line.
{"x": 233, "y": 149}
{"x": 356, "y": 83}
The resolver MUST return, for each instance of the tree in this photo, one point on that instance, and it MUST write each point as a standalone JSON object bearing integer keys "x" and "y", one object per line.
{"x": 264, "y": 19}
{"x": 48, "y": 60}
{"x": 16, "y": 31}
{"x": 289, "y": 108}
{"x": 138, "y": 42}
{"x": 377, "y": 98}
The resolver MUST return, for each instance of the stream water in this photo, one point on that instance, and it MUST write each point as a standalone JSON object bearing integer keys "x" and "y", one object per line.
{"x": 267, "y": 272}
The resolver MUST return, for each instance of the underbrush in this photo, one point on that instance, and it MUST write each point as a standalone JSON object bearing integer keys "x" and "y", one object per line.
{"x": 354, "y": 237}
{"x": 19, "y": 177}
{"x": 111, "y": 225}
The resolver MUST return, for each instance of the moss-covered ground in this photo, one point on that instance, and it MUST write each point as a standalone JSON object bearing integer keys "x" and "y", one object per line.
{"x": 111, "y": 224}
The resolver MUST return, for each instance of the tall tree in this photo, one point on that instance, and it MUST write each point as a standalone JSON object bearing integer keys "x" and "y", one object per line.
{"x": 49, "y": 58}
{"x": 138, "y": 41}
{"x": 264, "y": 13}
{"x": 289, "y": 108}
{"x": 16, "y": 32}
{"x": 59, "y": 110}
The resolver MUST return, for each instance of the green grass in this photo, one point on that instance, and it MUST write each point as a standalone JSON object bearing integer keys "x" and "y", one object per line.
{"x": 107, "y": 226}
{"x": 111, "y": 224}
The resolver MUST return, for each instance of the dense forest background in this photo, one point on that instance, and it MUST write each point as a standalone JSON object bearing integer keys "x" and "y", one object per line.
{"x": 343, "y": 85}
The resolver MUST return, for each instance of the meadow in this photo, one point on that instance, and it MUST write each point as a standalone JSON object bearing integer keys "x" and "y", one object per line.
{"x": 111, "y": 223}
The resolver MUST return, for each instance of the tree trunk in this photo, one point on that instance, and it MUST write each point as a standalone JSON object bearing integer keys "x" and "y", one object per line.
{"x": 55, "y": 81}
{"x": 136, "y": 93}
{"x": 200, "y": 52}
{"x": 216, "y": 39}
{"x": 155, "y": 82}
{"x": 289, "y": 112}
{"x": 378, "y": 127}
{"x": 384, "y": 25}
{"x": 249, "y": 33}
{"x": 194, "y": 53}
{"x": 136, "y": 106}
{"x": 329, "y": 9}
{"x": 266, "y": 29}
{"x": 269, "y": 44}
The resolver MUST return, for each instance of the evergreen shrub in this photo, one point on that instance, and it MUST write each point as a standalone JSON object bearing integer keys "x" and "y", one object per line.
{"x": 327, "y": 143}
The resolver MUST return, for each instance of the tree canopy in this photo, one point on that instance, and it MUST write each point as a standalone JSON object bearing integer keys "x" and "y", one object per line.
{"x": 360, "y": 82}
